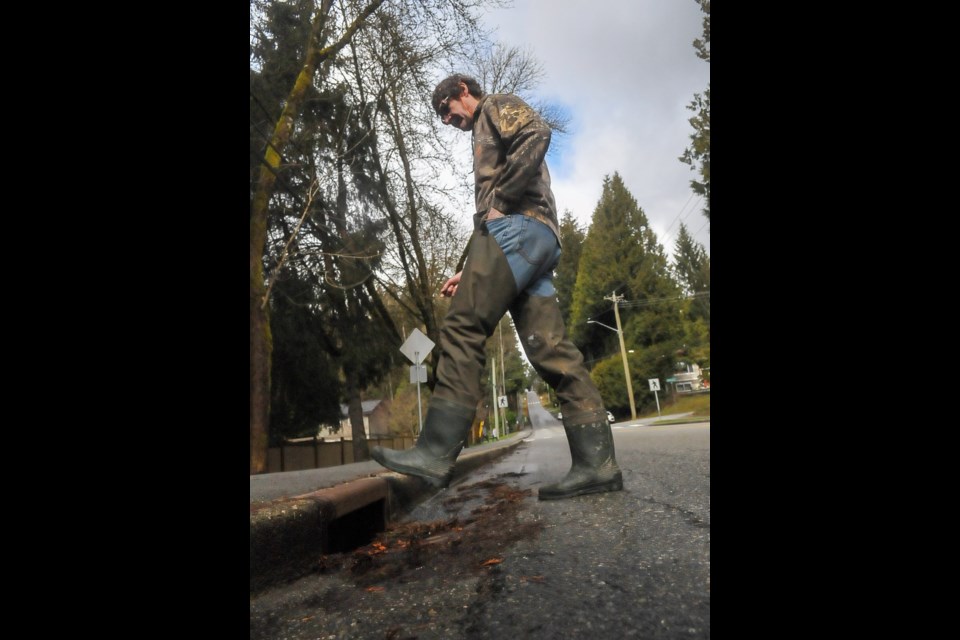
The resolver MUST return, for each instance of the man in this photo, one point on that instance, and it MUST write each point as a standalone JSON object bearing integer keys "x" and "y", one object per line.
{"x": 509, "y": 267}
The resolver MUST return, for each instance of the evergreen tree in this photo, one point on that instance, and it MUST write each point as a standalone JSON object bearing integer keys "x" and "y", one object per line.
{"x": 305, "y": 389}
{"x": 692, "y": 269}
{"x": 697, "y": 155}
{"x": 691, "y": 264}
{"x": 264, "y": 185}
{"x": 621, "y": 256}
{"x": 565, "y": 275}
{"x": 606, "y": 264}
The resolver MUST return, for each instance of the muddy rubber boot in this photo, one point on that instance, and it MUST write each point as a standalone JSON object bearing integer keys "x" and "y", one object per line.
{"x": 594, "y": 467}
{"x": 433, "y": 456}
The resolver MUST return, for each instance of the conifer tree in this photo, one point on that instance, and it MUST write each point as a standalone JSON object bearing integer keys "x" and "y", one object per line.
{"x": 565, "y": 275}
{"x": 697, "y": 155}
{"x": 305, "y": 388}
{"x": 691, "y": 265}
{"x": 621, "y": 256}
{"x": 317, "y": 49}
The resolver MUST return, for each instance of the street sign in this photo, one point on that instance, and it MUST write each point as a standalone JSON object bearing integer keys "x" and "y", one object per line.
{"x": 502, "y": 402}
{"x": 415, "y": 369}
{"x": 655, "y": 386}
{"x": 417, "y": 346}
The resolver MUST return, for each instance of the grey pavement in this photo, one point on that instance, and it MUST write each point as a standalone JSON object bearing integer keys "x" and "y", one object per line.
{"x": 294, "y": 514}
{"x": 492, "y": 561}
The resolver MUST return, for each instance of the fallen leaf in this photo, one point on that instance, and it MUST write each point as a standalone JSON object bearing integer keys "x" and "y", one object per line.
{"x": 372, "y": 589}
{"x": 492, "y": 561}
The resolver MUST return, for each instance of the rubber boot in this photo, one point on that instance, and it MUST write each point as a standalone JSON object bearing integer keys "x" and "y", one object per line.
{"x": 433, "y": 457}
{"x": 594, "y": 467}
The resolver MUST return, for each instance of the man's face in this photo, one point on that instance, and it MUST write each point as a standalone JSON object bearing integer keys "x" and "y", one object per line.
{"x": 454, "y": 113}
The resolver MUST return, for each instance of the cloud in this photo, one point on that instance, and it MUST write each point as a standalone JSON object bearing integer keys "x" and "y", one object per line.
{"x": 624, "y": 70}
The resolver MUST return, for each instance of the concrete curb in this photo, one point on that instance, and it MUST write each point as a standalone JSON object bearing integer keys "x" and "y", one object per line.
{"x": 287, "y": 536}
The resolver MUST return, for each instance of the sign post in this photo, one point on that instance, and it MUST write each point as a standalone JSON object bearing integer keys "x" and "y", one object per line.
{"x": 415, "y": 345}
{"x": 655, "y": 387}
{"x": 493, "y": 388}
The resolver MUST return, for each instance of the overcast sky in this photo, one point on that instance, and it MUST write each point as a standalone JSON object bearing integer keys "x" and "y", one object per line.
{"x": 624, "y": 71}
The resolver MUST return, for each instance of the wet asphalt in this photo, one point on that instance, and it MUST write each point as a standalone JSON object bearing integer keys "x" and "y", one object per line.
{"x": 627, "y": 564}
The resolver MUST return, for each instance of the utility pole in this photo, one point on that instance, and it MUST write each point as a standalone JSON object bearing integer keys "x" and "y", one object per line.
{"x": 493, "y": 407}
{"x": 503, "y": 377}
{"x": 623, "y": 352}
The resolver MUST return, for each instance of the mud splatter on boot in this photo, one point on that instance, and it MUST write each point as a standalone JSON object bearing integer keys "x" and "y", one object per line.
{"x": 594, "y": 468}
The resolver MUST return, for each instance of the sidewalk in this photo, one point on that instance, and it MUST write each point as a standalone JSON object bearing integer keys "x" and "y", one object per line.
{"x": 296, "y": 515}
{"x": 645, "y": 422}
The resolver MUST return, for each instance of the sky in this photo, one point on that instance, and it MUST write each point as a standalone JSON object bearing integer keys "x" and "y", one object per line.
{"x": 624, "y": 71}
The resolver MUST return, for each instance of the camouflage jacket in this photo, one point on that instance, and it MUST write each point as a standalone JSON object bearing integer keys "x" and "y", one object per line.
{"x": 510, "y": 142}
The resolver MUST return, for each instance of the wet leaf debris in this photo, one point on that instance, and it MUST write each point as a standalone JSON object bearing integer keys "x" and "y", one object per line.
{"x": 484, "y": 522}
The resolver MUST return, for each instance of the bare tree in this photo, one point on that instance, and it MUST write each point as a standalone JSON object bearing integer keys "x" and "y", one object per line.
{"x": 386, "y": 174}
{"x": 518, "y": 71}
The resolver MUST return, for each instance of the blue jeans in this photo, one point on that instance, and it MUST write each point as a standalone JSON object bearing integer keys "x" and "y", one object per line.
{"x": 531, "y": 250}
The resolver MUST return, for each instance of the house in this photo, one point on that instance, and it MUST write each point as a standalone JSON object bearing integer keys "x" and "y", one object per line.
{"x": 376, "y": 419}
{"x": 689, "y": 381}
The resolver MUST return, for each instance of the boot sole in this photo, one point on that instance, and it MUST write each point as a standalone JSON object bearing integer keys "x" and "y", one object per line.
{"x": 612, "y": 485}
{"x": 437, "y": 482}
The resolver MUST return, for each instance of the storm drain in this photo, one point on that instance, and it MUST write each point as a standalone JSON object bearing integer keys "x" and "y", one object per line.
{"x": 357, "y": 528}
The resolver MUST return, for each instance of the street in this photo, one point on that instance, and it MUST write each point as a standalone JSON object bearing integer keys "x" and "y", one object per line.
{"x": 486, "y": 559}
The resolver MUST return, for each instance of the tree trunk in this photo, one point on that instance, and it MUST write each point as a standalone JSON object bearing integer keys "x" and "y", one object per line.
{"x": 261, "y": 344}
{"x": 361, "y": 450}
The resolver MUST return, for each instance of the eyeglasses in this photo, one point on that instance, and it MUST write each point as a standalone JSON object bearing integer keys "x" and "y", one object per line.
{"x": 444, "y": 108}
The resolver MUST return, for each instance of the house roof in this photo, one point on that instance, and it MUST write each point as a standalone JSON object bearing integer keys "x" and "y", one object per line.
{"x": 367, "y": 405}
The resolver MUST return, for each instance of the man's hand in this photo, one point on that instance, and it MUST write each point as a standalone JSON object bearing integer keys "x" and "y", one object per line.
{"x": 450, "y": 286}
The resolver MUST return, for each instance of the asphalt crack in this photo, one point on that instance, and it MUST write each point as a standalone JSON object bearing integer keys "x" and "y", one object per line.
{"x": 690, "y": 516}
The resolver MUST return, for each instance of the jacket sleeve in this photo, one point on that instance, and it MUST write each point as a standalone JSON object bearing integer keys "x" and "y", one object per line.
{"x": 525, "y": 138}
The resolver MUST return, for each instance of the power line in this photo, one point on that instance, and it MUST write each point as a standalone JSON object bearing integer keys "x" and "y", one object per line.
{"x": 666, "y": 234}
{"x": 702, "y": 226}
{"x": 644, "y": 303}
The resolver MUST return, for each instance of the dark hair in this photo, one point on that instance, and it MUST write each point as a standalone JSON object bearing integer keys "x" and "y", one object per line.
{"x": 450, "y": 88}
